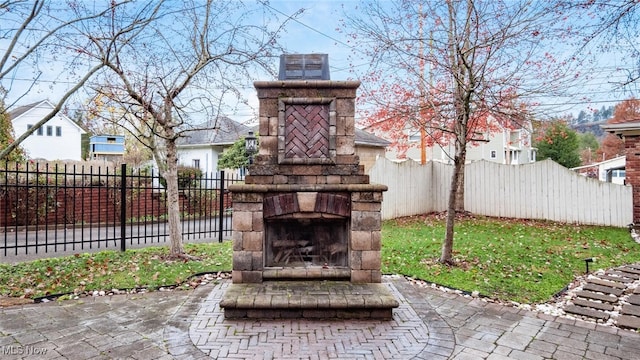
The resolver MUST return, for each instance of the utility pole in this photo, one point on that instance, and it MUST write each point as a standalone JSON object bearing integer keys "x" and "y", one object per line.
{"x": 423, "y": 133}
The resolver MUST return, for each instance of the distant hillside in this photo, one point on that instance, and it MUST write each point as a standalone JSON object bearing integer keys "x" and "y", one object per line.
{"x": 590, "y": 127}
{"x": 590, "y": 121}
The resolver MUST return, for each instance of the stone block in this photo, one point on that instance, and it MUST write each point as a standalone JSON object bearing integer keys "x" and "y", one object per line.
{"x": 333, "y": 179}
{"x": 371, "y": 260}
{"x": 273, "y": 125}
{"x": 345, "y": 107}
{"x": 350, "y": 125}
{"x": 268, "y": 107}
{"x": 345, "y": 145}
{"x": 253, "y": 277}
{"x": 347, "y": 159}
{"x": 314, "y": 170}
{"x": 260, "y": 169}
{"x": 355, "y": 259}
{"x": 360, "y": 276}
{"x": 236, "y": 276}
{"x": 257, "y": 261}
{"x": 242, "y": 220}
{"x": 367, "y": 206}
{"x": 361, "y": 240}
{"x": 237, "y": 240}
{"x": 355, "y": 179}
{"x": 280, "y": 179}
{"x": 368, "y": 196}
{"x": 247, "y": 206}
{"x": 252, "y": 241}
{"x": 307, "y": 201}
{"x": 268, "y": 145}
{"x": 265, "y": 159}
{"x": 376, "y": 240}
{"x": 248, "y": 197}
{"x": 258, "y": 222}
{"x": 365, "y": 221}
{"x": 242, "y": 260}
{"x": 258, "y": 179}
{"x": 263, "y": 124}
{"x": 301, "y": 179}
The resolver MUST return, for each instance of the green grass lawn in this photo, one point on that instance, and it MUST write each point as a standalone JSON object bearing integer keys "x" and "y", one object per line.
{"x": 515, "y": 260}
{"x": 106, "y": 270}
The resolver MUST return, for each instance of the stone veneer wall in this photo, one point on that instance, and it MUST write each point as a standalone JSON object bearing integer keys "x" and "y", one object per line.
{"x": 339, "y": 172}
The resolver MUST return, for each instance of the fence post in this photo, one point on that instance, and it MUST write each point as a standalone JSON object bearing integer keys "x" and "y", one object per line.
{"x": 123, "y": 207}
{"x": 221, "y": 212}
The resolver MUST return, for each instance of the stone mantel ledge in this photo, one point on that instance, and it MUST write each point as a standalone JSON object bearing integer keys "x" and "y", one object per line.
{"x": 265, "y": 188}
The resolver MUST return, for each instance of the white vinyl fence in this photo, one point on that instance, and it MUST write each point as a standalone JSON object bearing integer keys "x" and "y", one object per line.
{"x": 541, "y": 190}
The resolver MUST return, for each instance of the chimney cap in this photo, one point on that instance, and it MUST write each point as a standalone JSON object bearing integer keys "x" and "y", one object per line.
{"x": 304, "y": 67}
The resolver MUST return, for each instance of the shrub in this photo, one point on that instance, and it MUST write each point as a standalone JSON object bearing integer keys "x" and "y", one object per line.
{"x": 187, "y": 176}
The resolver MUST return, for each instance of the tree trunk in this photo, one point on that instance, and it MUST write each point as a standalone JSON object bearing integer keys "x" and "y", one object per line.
{"x": 446, "y": 256}
{"x": 460, "y": 189}
{"x": 173, "y": 201}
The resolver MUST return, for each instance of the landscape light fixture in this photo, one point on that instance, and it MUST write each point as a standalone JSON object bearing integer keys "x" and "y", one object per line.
{"x": 251, "y": 146}
{"x": 586, "y": 262}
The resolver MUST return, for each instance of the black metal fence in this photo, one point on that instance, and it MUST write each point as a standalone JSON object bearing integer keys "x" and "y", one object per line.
{"x": 63, "y": 208}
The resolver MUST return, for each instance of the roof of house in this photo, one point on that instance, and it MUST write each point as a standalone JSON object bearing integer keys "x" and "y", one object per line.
{"x": 628, "y": 128}
{"x": 24, "y": 108}
{"x": 366, "y": 138}
{"x": 219, "y": 131}
{"x": 21, "y": 110}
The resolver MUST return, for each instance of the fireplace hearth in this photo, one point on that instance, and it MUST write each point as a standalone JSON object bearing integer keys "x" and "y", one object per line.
{"x": 307, "y": 211}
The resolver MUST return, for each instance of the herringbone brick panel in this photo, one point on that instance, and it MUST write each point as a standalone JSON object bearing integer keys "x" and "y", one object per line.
{"x": 306, "y": 131}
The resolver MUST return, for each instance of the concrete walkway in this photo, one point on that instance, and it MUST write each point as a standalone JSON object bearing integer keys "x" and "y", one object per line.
{"x": 429, "y": 324}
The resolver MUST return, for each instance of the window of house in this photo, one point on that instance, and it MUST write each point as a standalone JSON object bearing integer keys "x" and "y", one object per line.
{"x": 415, "y": 137}
{"x": 494, "y": 154}
{"x": 58, "y": 130}
{"x": 29, "y": 126}
{"x": 111, "y": 140}
{"x": 49, "y": 130}
{"x": 40, "y": 131}
{"x": 196, "y": 163}
{"x": 514, "y": 138}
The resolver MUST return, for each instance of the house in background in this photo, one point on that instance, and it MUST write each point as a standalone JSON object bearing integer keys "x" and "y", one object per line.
{"x": 202, "y": 148}
{"x": 369, "y": 148}
{"x": 106, "y": 147}
{"x": 611, "y": 170}
{"x": 506, "y": 146}
{"x": 58, "y": 139}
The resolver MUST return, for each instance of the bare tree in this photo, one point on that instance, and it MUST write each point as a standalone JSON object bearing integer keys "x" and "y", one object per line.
{"x": 608, "y": 27}
{"x": 485, "y": 59}
{"x": 188, "y": 67}
{"x": 38, "y": 33}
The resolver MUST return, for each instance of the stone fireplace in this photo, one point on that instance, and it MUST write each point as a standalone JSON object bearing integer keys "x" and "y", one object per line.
{"x": 306, "y": 210}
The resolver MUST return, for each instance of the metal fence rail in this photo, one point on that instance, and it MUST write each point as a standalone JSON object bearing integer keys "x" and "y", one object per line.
{"x": 57, "y": 208}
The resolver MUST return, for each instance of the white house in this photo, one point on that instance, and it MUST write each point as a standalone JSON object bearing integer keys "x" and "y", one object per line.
{"x": 508, "y": 146}
{"x": 58, "y": 139}
{"x": 612, "y": 170}
{"x": 202, "y": 148}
